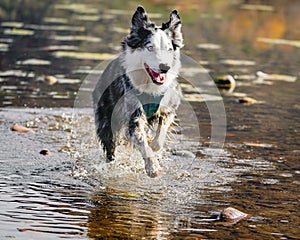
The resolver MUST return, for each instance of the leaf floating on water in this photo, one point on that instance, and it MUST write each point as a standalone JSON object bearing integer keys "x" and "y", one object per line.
{"x": 21, "y": 32}
{"x": 209, "y": 46}
{"x": 234, "y": 62}
{"x": 75, "y": 38}
{"x": 84, "y": 55}
{"x": 294, "y": 43}
{"x": 34, "y": 61}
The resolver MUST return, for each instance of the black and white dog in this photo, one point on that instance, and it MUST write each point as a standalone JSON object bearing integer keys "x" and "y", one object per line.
{"x": 139, "y": 89}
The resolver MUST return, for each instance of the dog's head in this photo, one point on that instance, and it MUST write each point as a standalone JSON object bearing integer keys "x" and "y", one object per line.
{"x": 151, "y": 53}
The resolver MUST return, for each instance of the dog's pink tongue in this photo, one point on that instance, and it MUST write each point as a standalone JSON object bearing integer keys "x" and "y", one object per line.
{"x": 158, "y": 77}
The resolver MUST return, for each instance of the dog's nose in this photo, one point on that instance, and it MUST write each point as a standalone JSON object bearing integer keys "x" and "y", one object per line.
{"x": 164, "y": 68}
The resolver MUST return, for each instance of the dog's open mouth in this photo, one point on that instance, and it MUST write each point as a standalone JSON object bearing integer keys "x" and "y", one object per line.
{"x": 157, "y": 78}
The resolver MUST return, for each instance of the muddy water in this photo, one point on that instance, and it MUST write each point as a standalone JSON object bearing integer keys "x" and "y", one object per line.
{"x": 72, "y": 193}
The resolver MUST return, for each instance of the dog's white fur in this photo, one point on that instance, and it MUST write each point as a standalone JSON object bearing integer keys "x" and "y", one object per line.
{"x": 118, "y": 105}
{"x": 134, "y": 63}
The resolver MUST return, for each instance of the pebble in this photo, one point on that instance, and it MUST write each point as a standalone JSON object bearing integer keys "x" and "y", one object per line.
{"x": 19, "y": 128}
{"x": 45, "y": 152}
{"x": 51, "y": 80}
{"x": 233, "y": 215}
{"x": 183, "y": 153}
{"x": 226, "y": 82}
{"x": 247, "y": 100}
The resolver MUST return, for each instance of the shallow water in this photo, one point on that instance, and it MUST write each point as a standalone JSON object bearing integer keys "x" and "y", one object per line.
{"x": 72, "y": 193}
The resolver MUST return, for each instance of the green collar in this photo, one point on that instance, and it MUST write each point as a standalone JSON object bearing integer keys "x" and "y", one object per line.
{"x": 150, "y": 103}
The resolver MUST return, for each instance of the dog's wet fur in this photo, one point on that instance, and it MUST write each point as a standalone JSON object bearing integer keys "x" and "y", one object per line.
{"x": 140, "y": 88}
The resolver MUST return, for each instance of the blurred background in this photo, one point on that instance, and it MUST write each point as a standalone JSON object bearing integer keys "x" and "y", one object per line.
{"x": 251, "y": 49}
{"x": 48, "y": 47}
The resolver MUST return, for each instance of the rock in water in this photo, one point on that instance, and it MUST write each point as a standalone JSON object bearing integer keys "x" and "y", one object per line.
{"x": 226, "y": 83}
{"x": 247, "y": 100}
{"x": 51, "y": 80}
{"x": 45, "y": 152}
{"x": 233, "y": 215}
{"x": 19, "y": 128}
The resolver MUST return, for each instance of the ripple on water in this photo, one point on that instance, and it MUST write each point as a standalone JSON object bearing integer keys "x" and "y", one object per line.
{"x": 58, "y": 196}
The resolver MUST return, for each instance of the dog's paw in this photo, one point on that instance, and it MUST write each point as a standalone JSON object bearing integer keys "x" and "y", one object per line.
{"x": 152, "y": 167}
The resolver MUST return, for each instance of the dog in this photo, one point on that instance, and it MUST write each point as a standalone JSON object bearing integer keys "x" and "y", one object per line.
{"x": 140, "y": 89}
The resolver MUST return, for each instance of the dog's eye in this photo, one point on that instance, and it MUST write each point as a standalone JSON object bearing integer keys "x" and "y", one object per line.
{"x": 150, "y": 48}
{"x": 170, "y": 50}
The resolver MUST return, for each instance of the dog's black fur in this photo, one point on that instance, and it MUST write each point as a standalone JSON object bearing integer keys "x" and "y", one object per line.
{"x": 115, "y": 85}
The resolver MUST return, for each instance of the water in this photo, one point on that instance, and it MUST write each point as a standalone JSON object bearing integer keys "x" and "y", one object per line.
{"x": 72, "y": 193}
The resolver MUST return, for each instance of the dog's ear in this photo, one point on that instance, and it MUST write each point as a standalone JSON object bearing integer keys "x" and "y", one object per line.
{"x": 139, "y": 19}
{"x": 139, "y": 28}
{"x": 173, "y": 28}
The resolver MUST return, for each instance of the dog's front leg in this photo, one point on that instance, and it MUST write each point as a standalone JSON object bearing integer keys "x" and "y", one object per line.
{"x": 164, "y": 122}
{"x": 139, "y": 138}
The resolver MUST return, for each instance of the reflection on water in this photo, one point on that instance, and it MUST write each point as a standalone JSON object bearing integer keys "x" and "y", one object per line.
{"x": 47, "y": 48}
